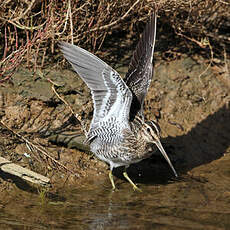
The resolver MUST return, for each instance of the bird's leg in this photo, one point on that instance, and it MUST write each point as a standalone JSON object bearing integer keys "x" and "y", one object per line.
{"x": 111, "y": 179}
{"x": 125, "y": 174}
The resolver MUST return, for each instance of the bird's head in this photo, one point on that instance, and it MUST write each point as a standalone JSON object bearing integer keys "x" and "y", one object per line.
{"x": 151, "y": 134}
{"x": 151, "y": 131}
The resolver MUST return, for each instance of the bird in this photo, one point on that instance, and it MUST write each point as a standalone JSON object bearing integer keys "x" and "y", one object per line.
{"x": 119, "y": 134}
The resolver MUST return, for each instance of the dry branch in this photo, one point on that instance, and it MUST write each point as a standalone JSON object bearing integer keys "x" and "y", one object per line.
{"x": 40, "y": 153}
{"x": 24, "y": 173}
{"x": 88, "y": 23}
{"x": 76, "y": 115}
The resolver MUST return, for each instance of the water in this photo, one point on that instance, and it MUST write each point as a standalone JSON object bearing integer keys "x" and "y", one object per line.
{"x": 200, "y": 200}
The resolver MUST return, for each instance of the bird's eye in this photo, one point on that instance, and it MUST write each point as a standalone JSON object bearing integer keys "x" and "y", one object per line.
{"x": 148, "y": 130}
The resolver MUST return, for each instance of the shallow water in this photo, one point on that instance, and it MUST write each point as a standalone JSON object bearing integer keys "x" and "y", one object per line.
{"x": 198, "y": 200}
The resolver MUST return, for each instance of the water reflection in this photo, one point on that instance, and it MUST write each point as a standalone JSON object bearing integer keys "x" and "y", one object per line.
{"x": 184, "y": 204}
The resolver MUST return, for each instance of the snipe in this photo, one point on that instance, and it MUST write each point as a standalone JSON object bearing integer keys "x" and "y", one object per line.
{"x": 118, "y": 133}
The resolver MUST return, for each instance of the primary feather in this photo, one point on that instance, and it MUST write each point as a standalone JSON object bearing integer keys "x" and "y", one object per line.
{"x": 140, "y": 72}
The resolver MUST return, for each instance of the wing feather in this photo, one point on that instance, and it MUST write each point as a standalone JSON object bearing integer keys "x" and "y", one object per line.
{"x": 111, "y": 96}
{"x": 140, "y": 73}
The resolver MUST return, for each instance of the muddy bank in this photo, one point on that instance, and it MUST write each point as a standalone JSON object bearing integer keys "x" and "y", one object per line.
{"x": 189, "y": 99}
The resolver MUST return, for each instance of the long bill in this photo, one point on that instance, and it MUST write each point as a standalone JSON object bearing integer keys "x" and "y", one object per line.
{"x": 160, "y": 147}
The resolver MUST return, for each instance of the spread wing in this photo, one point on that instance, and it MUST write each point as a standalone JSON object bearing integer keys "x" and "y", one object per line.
{"x": 111, "y": 96}
{"x": 140, "y": 73}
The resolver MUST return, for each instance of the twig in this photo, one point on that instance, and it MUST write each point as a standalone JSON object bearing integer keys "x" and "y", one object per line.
{"x": 12, "y": 61}
{"x": 192, "y": 39}
{"x": 6, "y": 46}
{"x": 16, "y": 37}
{"x": 25, "y": 12}
{"x": 71, "y": 20}
{"x": 118, "y": 20}
{"x": 226, "y": 63}
{"x": 103, "y": 38}
{"x": 52, "y": 30}
{"x": 210, "y": 63}
{"x": 22, "y": 27}
{"x": 203, "y": 44}
{"x": 78, "y": 117}
{"x": 39, "y": 149}
{"x": 227, "y": 3}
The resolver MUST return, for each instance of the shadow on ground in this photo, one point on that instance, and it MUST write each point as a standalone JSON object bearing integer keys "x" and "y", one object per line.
{"x": 206, "y": 142}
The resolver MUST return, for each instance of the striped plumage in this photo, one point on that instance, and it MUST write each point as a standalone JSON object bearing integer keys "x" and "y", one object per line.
{"x": 118, "y": 133}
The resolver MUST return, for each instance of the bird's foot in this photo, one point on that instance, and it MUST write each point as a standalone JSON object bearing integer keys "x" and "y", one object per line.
{"x": 135, "y": 188}
{"x": 112, "y": 181}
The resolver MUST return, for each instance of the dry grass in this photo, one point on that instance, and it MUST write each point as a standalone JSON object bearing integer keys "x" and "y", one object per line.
{"x": 30, "y": 29}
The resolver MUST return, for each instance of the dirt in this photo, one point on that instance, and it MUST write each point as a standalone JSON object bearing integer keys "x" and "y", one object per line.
{"x": 188, "y": 98}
